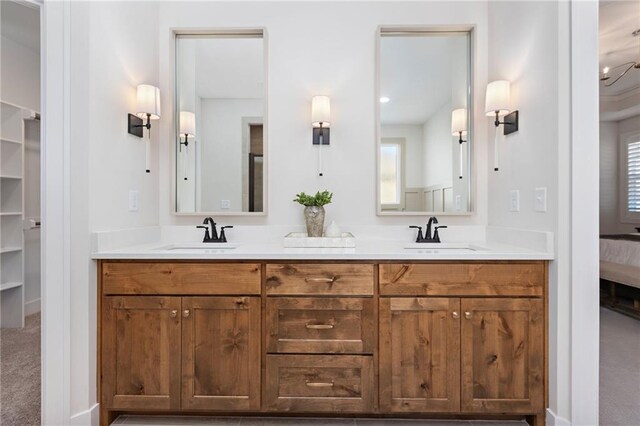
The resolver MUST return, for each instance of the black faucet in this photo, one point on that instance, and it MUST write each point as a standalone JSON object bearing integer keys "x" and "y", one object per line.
{"x": 212, "y": 237}
{"x": 427, "y": 238}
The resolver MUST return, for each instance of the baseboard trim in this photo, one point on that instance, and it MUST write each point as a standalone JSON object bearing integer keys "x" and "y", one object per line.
{"x": 31, "y": 307}
{"x": 88, "y": 417}
{"x": 555, "y": 420}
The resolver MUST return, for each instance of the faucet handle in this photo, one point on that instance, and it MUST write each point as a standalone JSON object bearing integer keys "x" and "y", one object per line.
{"x": 436, "y": 237}
{"x": 420, "y": 236}
{"x": 223, "y": 237}
{"x": 207, "y": 235}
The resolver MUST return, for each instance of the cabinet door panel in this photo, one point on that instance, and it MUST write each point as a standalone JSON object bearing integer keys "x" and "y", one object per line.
{"x": 502, "y": 355}
{"x": 420, "y": 354}
{"x": 141, "y": 357}
{"x": 221, "y": 353}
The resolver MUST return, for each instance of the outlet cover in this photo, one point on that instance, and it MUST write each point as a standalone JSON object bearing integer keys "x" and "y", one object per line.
{"x": 514, "y": 200}
{"x": 458, "y": 203}
{"x": 540, "y": 201}
{"x": 133, "y": 201}
{"x": 225, "y": 204}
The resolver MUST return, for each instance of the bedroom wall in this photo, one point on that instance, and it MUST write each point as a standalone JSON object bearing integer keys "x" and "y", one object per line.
{"x": 609, "y": 218}
{"x": 611, "y": 133}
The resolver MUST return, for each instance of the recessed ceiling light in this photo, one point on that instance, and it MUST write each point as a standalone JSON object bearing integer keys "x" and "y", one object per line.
{"x": 384, "y": 100}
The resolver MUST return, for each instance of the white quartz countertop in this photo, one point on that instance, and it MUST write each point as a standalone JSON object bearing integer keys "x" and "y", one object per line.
{"x": 365, "y": 250}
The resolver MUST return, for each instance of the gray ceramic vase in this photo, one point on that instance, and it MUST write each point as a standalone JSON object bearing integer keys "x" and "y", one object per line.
{"x": 314, "y": 217}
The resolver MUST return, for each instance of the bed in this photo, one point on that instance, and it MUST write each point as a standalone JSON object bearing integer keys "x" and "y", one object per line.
{"x": 620, "y": 264}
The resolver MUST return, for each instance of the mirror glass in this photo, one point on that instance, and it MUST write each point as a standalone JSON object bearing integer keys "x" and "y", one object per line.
{"x": 220, "y": 135}
{"x": 423, "y": 78}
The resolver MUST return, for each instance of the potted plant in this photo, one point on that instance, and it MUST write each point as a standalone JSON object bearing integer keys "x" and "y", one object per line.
{"x": 314, "y": 210}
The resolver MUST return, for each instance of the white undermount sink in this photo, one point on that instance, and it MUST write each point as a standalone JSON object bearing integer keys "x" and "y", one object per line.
{"x": 443, "y": 247}
{"x": 198, "y": 247}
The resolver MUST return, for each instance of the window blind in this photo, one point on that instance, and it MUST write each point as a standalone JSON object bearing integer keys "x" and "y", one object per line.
{"x": 633, "y": 177}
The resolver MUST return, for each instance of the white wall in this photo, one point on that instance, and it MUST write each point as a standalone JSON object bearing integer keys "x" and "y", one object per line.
{"x": 438, "y": 148}
{"x": 612, "y": 134}
{"x": 221, "y": 142}
{"x": 20, "y": 73}
{"x": 413, "y": 136}
{"x": 347, "y": 48}
{"x": 609, "y": 137}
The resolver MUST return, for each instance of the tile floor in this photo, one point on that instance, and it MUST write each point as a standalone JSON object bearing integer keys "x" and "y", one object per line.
{"x": 256, "y": 421}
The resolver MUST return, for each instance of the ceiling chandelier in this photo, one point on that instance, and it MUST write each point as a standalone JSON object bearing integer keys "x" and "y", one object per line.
{"x": 605, "y": 77}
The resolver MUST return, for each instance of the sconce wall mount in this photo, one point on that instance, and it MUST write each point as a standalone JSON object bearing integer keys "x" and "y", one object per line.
{"x": 510, "y": 122}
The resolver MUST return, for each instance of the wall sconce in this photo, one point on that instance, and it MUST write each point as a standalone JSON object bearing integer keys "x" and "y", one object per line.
{"x": 321, "y": 122}
{"x": 187, "y": 128}
{"x": 459, "y": 128}
{"x": 148, "y": 107}
{"x": 497, "y": 103}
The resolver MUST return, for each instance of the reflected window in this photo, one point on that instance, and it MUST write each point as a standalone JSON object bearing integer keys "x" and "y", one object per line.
{"x": 390, "y": 173}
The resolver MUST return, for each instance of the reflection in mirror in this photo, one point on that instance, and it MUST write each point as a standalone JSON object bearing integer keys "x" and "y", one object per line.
{"x": 220, "y": 110}
{"x": 425, "y": 88}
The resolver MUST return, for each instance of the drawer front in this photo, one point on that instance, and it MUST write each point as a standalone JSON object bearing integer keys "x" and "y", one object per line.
{"x": 320, "y": 279}
{"x": 320, "y": 325}
{"x": 319, "y": 383}
{"x": 180, "y": 278}
{"x": 463, "y": 279}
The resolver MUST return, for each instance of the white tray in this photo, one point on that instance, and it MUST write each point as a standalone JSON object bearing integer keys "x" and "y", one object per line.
{"x": 300, "y": 239}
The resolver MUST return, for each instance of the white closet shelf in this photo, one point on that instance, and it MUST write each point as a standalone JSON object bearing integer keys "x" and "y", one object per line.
{"x": 11, "y": 177}
{"x": 9, "y": 285}
{"x": 16, "y": 106}
{"x": 9, "y": 140}
{"x": 10, "y": 213}
{"x": 10, "y": 249}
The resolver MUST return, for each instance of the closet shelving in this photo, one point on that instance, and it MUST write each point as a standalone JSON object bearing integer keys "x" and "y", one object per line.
{"x": 13, "y": 121}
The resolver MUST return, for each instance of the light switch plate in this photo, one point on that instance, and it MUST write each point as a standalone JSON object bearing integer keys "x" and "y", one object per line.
{"x": 514, "y": 200}
{"x": 133, "y": 201}
{"x": 540, "y": 199}
{"x": 225, "y": 204}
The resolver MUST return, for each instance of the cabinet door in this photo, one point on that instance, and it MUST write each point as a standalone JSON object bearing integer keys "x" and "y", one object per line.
{"x": 221, "y": 353}
{"x": 141, "y": 353}
{"x": 420, "y": 354}
{"x": 502, "y": 355}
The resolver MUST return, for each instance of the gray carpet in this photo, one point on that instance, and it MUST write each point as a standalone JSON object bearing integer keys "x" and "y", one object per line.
{"x": 619, "y": 369}
{"x": 20, "y": 374}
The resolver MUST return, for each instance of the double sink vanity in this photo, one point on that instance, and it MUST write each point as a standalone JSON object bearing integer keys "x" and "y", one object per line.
{"x": 393, "y": 327}
{"x": 390, "y": 328}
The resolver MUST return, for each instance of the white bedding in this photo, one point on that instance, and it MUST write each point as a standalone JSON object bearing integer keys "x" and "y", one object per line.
{"x": 620, "y": 251}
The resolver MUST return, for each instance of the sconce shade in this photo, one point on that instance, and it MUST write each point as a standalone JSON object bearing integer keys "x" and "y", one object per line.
{"x": 321, "y": 111}
{"x": 459, "y": 121}
{"x": 497, "y": 98}
{"x": 187, "y": 123}
{"x": 148, "y": 101}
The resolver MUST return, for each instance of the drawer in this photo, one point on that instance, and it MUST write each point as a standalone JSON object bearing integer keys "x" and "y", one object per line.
{"x": 320, "y": 279}
{"x": 320, "y": 325}
{"x": 319, "y": 383}
{"x": 463, "y": 279}
{"x": 180, "y": 278}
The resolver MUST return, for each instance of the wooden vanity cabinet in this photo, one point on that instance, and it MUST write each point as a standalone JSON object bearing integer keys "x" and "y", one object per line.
{"x": 461, "y": 339}
{"x": 180, "y": 352}
{"x": 479, "y": 352}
